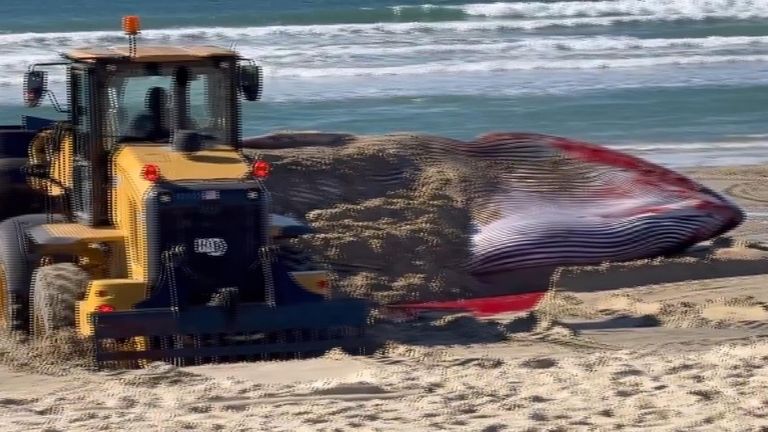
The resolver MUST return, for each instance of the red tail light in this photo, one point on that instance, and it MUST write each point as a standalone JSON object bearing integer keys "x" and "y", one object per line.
{"x": 151, "y": 173}
{"x": 261, "y": 169}
{"x": 105, "y": 308}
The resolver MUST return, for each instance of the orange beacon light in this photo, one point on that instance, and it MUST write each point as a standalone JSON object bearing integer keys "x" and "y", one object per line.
{"x": 131, "y": 25}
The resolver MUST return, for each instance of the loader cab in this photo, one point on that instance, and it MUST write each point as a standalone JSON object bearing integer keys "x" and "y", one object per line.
{"x": 186, "y": 98}
{"x": 149, "y": 102}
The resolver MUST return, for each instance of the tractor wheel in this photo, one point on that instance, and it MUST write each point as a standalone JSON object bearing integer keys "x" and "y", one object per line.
{"x": 15, "y": 269}
{"x": 56, "y": 289}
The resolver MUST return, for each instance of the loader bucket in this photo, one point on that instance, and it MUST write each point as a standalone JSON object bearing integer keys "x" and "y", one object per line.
{"x": 214, "y": 334}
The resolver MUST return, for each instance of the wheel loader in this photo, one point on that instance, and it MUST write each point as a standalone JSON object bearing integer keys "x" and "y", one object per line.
{"x": 140, "y": 224}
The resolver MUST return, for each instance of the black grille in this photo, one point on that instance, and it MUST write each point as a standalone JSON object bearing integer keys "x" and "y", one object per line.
{"x": 216, "y": 244}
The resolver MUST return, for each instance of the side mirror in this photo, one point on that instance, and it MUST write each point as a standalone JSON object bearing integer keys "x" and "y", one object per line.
{"x": 35, "y": 87}
{"x": 251, "y": 82}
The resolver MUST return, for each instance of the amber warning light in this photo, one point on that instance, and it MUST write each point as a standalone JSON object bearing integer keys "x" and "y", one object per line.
{"x": 131, "y": 25}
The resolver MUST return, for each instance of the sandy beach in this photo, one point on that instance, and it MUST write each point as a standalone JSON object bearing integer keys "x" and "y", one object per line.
{"x": 674, "y": 344}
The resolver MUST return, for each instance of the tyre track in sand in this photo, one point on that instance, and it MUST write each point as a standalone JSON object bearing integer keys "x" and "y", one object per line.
{"x": 754, "y": 191}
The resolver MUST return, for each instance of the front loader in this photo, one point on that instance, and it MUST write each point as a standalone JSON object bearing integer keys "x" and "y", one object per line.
{"x": 155, "y": 239}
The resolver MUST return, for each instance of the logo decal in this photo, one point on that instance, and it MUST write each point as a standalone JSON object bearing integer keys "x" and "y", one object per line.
{"x": 211, "y": 246}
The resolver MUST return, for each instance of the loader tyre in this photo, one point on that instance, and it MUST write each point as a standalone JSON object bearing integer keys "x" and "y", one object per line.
{"x": 56, "y": 289}
{"x": 16, "y": 268}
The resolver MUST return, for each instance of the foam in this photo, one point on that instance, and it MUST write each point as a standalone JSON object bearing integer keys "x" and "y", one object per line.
{"x": 410, "y": 48}
{"x": 650, "y": 9}
{"x": 713, "y": 145}
{"x": 459, "y": 66}
{"x": 12, "y": 69}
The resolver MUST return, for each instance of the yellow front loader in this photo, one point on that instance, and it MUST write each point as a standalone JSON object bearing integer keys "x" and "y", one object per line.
{"x": 155, "y": 238}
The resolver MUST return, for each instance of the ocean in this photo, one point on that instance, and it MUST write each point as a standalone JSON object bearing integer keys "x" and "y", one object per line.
{"x": 680, "y": 82}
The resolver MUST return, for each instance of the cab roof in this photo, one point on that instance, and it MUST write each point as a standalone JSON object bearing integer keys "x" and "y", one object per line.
{"x": 149, "y": 53}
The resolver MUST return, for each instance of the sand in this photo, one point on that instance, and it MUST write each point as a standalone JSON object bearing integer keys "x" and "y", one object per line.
{"x": 376, "y": 194}
{"x": 675, "y": 344}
